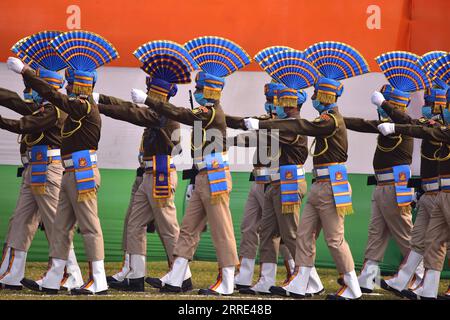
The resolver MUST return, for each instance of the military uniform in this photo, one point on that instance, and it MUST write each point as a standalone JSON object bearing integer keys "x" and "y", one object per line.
{"x": 145, "y": 208}
{"x": 81, "y": 131}
{"x": 40, "y": 130}
{"x": 388, "y": 217}
{"x": 438, "y": 231}
{"x": 251, "y": 221}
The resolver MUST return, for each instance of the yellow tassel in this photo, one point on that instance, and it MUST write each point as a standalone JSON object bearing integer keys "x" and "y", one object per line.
{"x": 288, "y": 101}
{"x": 290, "y": 208}
{"x": 344, "y": 211}
{"x": 38, "y": 190}
{"x": 157, "y": 95}
{"x": 85, "y": 196}
{"x": 406, "y": 209}
{"x": 324, "y": 97}
{"x": 162, "y": 203}
{"x": 211, "y": 93}
{"x": 219, "y": 198}
{"x": 82, "y": 90}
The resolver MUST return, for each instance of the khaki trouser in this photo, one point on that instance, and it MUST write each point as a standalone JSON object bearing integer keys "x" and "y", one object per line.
{"x": 274, "y": 224}
{"x": 320, "y": 213}
{"x": 134, "y": 188}
{"x": 388, "y": 219}
{"x": 84, "y": 213}
{"x": 145, "y": 209}
{"x": 438, "y": 233}
{"x": 31, "y": 208}
{"x": 199, "y": 212}
{"x": 251, "y": 225}
{"x": 425, "y": 207}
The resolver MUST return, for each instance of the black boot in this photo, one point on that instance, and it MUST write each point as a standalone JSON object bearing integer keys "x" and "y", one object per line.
{"x": 365, "y": 290}
{"x": 135, "y": 285}
{"x": 209, "y": 292}
{"x": 170, "y": 289}
{"x": 157, "y": 283}
{"x": 187, "y": 285}
{"x": 86, "y": 292}
{"x": 10, "y": 287}
{"x": 241, "y": 286}
{"x": 111, "y": 279}
{"x": 32, "y": 285}
{"x": 279, "y": 291}
{"x": 337, "y": 297}
{"x": 387, "y": 287}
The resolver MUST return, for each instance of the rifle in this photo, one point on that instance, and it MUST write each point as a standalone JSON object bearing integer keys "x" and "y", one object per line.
{"x": 191, "y": 101}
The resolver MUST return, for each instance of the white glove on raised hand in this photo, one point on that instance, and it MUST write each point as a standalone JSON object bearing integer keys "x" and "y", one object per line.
{"x": 138, "y": 96}
{"x": 15, "y": 64}
{"x": 96, "y": 97}
{"x": 189, "y": 191}
{"x": 386, "y": 128}
{"x": 251, "y": 124}
{"x": 377, "y": 98}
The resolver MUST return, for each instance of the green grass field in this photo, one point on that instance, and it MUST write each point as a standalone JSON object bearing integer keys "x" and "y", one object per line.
{"x": 204, "y": 274}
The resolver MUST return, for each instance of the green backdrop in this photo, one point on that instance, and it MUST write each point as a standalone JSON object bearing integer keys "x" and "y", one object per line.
{"x": 114, "y": 198}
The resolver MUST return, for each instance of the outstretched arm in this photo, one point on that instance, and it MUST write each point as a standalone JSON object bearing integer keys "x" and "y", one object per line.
{"x": 14, "y": 102}
{"x": 325, "y": 125}
{"x": 143, "y": 117}
{"x": 361, "y": 125}
{"x": 31, "y": 123}
{"x": 397, "y": 115}
{"x": 440, "y": 134}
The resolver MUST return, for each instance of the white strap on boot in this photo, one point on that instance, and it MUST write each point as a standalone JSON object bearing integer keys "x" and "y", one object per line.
{"x": 16, "y": 268}
{"x": 430, "y": 284}
{"x": 74, "y": 279}
{"x": 137, "y": 266}
{"x": 267, "y": 279}
{"x": 5, "y": 261}
{"x": 300, "y": 280}
{"x": 97, "y": 277}
{"x": 225, "y": 281}
{"x": 401, "y": 280}
{"x": 121, "y": 275}
{"x": 54, "y": 275}
{"x": 369, "y": 275}
{"x": 314, "y": 284}
{"x": 245, "y": 275}
{"x": 177, "y": 275}
{"x": 351, "y": 289}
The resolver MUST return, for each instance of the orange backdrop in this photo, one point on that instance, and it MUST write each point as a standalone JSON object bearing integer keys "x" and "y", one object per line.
{"x": 404, "y": 24}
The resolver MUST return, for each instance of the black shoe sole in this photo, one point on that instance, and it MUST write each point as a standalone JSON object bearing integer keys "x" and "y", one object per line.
{"x": 387, "y": 287}
{"x": 365, "y": 290}
{"x": 10, "y": 287}
{"x": 241, "y": 286}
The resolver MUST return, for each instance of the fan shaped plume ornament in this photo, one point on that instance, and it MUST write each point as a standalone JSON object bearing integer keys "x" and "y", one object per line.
{"x": 167, "y": 63}
{"x": 84, "y": 52}
{"x": 429, "y": 58}
{"x": 293, "y": 70}
{"x": 217, "y": 58}
{"x": 440, "y": 71}
{"x": 335, "y": 61}
{"x": 37, "y": 48}
{"x": 263, "y": 54}
{"x": 22, "y": 56}
{"x": 404, "y": 76}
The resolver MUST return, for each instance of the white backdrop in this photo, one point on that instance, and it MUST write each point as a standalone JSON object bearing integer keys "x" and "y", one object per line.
{"x": 242, "y": 96}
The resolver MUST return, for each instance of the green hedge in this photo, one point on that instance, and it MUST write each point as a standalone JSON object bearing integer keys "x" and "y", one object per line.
{"x": 114, "y": 198}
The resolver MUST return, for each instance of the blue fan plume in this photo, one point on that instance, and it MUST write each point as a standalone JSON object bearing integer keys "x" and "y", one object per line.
{"x": 168, "y": 68}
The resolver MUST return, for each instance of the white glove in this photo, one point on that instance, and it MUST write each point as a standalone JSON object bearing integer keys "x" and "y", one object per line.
{"x": 138, "y": 96}
{"x": 386, "y": 128}
{"x": 96, "y": 97}
{"x": 15, "y": 64}
{"x": 377, "y": 98}
{"x": 189, "y": 191}
{"x": 251, "y": 124}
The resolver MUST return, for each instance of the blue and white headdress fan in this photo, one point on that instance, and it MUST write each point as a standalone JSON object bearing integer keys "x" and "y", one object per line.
{"x": 37, "y": 47}
{"x": 217, "y": 58}
{"x": 335, "y": 61}
{"x": 434, "y": 95}
{"x": 22, "y": 56}
{"x": 404, "y": 76}
{"x": 293, "y": 70}
{"x": 262, "y": 56}
{"x": 167, "y": 63}
{"x": 84, "y": 52}
{"x": 440, "y": 71}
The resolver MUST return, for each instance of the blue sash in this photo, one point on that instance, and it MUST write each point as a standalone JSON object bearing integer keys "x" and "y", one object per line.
{"x": 402, "y": 174}
{"x": 216, "y": 170}
{"x": 341, "y": 189}
{"x": 290, "y": 197}
{"x": 84, "y": 175}
{"x": 161, "y": 177}
{"x": 39, "y": 166}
